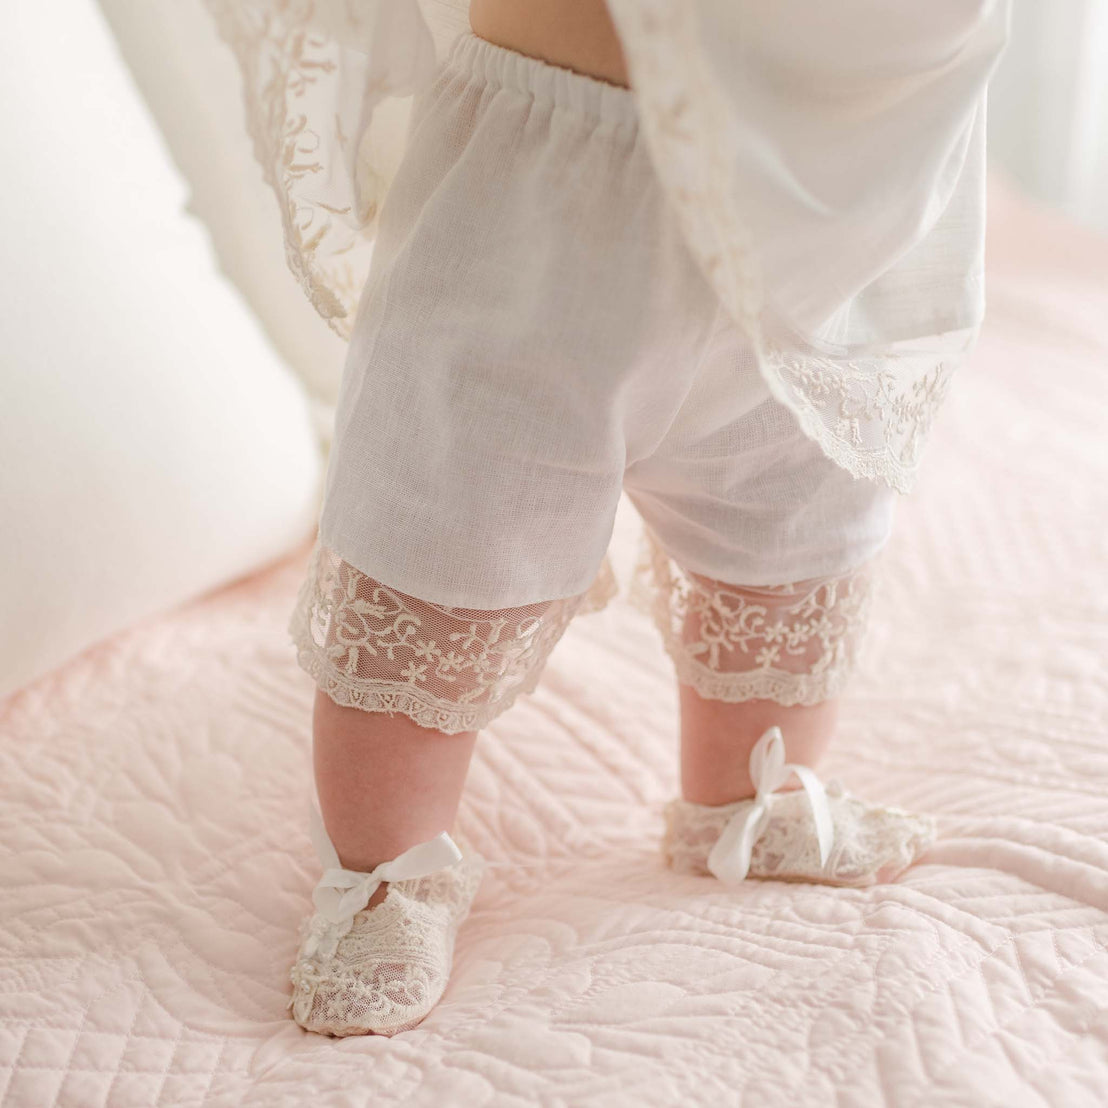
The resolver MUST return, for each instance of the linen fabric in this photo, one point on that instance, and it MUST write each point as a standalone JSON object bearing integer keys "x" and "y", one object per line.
{"x": 507, "y": 377}
{"x": 826, "y": 169}
{"x": 507, "y": 380}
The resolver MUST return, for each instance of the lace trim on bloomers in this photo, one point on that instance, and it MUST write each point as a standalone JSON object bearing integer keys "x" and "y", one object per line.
{"x": 793, "y": 644}
{"x": 451, "y": 669}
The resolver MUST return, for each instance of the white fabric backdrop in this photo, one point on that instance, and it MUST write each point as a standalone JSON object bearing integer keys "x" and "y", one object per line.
{"x": 1048, "y": 105}
{"x": 154, "y": 446}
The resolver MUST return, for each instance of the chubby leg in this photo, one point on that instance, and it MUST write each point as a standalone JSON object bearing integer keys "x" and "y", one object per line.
{"x": 717, "y": 738}
{"x": 384, "y": 782}
{"x": 748, "y": 658}
{"x": 735, "y": 642}
{"x": 403, "y": 687}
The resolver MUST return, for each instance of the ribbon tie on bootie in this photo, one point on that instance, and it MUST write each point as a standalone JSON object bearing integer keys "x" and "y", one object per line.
{"x": 342, "y": 893}
{"x": 729, "y": 859}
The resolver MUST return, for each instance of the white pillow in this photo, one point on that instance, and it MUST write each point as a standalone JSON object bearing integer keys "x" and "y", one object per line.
{"x": 153, "y": 446}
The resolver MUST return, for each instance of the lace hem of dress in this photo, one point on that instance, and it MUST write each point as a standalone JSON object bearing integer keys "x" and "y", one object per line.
{"x": 314, "y": 72}
{"x": 869, "y": 412}
{"x": 450, "y": 669}
{"x": 793, "y": 644}
{"x": 871, "y": 415}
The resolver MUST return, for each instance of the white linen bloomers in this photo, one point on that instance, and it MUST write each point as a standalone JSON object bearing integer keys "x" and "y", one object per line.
{"x": 534, "y": 338}
{"x": 737, "y": 290}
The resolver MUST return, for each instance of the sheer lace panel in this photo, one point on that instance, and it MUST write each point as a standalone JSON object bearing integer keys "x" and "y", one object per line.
{"x": 314, "y": 74}
{"x": 452, "y": 669}
{"x": 794, "y": 643}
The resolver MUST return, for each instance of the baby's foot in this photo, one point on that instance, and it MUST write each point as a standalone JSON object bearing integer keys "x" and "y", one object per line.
{"x": 866, "y": 844}
{"x": 379, "y": 970}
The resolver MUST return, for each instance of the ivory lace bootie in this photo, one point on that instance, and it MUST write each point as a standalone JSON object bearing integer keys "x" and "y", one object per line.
{"x": 821, "y": 834}
{"x": 380, "y": 970}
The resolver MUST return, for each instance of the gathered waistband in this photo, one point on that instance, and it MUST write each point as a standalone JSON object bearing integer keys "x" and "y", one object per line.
{"x": 500, "y": 66}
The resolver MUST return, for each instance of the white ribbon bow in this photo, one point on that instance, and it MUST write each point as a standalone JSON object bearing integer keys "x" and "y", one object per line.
{"x": 729, "y": 859}
{"x": 342, "y": 893}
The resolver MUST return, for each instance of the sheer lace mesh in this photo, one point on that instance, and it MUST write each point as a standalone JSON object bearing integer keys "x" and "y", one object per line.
{"x": 392, "y": 967}
{"x": 453, "y": 669}
{"x": 871, "y": 844}
{"x": 314, "y": 75}
{"x": 794, "y": 644}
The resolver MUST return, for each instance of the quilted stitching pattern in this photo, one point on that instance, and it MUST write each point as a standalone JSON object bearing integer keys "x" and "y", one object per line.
{"x": 157, "y": 860}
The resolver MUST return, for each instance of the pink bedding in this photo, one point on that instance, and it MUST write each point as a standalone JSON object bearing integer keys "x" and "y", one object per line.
{"x": 157, "y": 859}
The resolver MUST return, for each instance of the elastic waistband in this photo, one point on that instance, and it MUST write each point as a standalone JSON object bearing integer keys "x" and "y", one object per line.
{"x": 499, "y": 66}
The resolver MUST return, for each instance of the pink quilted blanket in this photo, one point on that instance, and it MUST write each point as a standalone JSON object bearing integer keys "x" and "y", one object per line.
{"x": 157, "y": 862}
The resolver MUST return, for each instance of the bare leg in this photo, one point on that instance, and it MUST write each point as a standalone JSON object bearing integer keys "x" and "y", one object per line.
{"x": 717, "y": 737}
{"x": 384, "y": 782}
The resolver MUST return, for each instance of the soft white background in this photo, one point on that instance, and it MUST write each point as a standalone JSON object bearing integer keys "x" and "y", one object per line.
{"x": 1048, "y": 105}
{"x": 153, "y": 445}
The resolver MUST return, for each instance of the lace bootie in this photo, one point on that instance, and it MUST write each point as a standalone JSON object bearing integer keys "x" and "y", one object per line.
{"x": 821, "y": 834}
{"x": 380, "y": 970}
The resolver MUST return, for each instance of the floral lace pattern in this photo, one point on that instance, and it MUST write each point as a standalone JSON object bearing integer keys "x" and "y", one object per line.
{"x": 452, "y": 669}
{"x": 793, "y": 644}
{"x": 871, "y": 844}
{"x": 391, "y": 968}
{"x": 871, "y": 415}
{"x": 310, "y": 87}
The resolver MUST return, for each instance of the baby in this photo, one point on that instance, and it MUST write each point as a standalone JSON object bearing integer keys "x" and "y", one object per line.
{"x": 537, "y": 336}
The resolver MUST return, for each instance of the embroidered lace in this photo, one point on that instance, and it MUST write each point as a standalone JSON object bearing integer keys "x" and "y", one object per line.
{"x": 381, "y": 970}
{"x": 452, "y": 669}
{"x": 821, "y": 834}
{"x": 794, "y": 643}
{"x": 314, "y": 73}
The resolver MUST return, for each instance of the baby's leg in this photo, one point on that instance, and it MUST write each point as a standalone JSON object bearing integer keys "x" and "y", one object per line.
{"x": 717, "y": 738}
{"x": 384, "y": 782}
{"x": 403, "y": 687}
{"x": 753, "y": 658}
{"x": 748, "y": 658}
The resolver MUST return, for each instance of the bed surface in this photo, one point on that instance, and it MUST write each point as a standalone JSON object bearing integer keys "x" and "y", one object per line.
{"x": 157, "y": 860}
